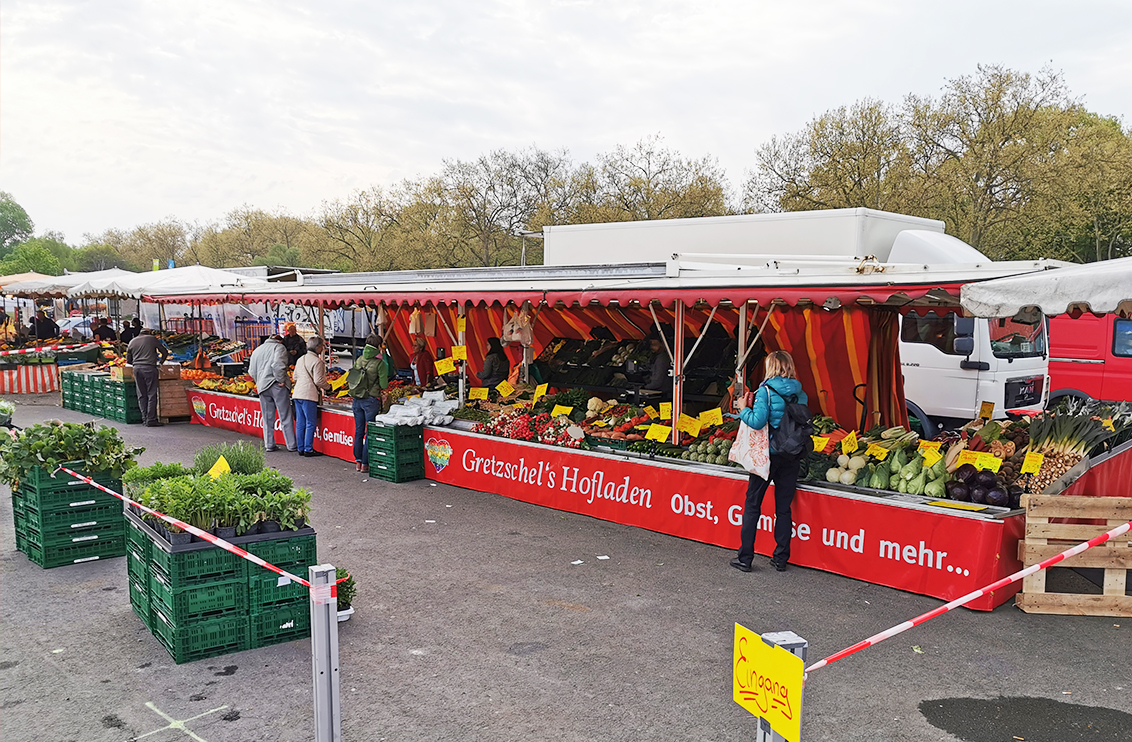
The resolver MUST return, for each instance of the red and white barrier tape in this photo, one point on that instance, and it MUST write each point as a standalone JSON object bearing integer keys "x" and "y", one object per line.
{"x": 888, "y": 634}
{"x": 59, "y": 348}
{"x": 209, "y": 538}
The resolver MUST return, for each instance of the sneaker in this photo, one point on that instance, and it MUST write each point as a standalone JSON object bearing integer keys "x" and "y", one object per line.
{"x": 271, "y": 450}
{"x": 740, "y": 565}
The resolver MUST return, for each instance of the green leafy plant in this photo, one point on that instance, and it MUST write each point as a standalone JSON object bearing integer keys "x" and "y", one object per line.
{"x": 347, "y": 590}
{"x": 98, "y": 450}
{"x": 138, "y": 478}
{"x": 243, "y": 457}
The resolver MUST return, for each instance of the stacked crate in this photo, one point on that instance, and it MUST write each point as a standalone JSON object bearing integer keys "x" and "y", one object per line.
{"x": 396, "y": 452}
{"x": 201, "y": 601}
{"x": 68, "y": 385}
{"x": 120, "y": 400}
{"x": 64, "y": 521}
{"x": 97, "y": 393}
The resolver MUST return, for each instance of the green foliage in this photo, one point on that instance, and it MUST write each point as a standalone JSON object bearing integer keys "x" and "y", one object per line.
{"x": 230, "y": 500}
{"x": 347, "y": 590}
{"x": 99, "y": 257}
{"x": 27, "y": 258}
{"x": 244, "y": 457}
{"x": 101, "y": 450}
{"x": 15, "y": 224}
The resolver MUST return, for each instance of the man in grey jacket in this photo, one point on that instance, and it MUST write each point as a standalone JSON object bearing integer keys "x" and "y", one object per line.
{"x": 145, "y": 353}
{"x": 268, "y": 368}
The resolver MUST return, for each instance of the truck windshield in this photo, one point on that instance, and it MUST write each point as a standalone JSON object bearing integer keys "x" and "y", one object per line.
{"x": 1011, "y": 338}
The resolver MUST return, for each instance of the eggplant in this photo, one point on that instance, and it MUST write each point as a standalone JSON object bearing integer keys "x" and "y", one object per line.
{"x": 965, "y": 473}
{"x": 957, "y": 490}
{"x": 998, "y": 497}
{"x": 979, "y": 494}
{"x": 986, "y": 478}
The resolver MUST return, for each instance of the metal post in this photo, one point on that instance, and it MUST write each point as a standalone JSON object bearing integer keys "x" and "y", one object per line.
{"x": 461, "y": 331}
{"x": 740, "y": 356}
{"x": 677, "y": 367}
{"x": 795, "y": 645}
{"x": 324, "y": 653}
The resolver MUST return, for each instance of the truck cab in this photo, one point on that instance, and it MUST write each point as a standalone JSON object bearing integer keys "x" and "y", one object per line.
{"x": 1091, "y": 357}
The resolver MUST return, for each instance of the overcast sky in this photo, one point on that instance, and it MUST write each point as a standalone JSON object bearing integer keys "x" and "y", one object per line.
{"x": 117, "y": 113}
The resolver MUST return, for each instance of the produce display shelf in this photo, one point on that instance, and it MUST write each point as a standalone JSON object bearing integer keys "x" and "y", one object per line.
{"x": 53, "y": 518}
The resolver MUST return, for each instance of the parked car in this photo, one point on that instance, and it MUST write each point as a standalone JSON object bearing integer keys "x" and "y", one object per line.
{"x": 82, "y": 324}
{"x": 1091, "y": 357}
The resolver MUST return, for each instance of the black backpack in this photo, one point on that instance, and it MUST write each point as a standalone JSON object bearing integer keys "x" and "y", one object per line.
{"x": 792, "y": 436}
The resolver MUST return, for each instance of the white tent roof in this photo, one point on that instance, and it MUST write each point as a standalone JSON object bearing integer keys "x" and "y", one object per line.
{"x": 60, "y": 285}
{"x": 1103, "y": 287}
{"x": 189, "y": 278}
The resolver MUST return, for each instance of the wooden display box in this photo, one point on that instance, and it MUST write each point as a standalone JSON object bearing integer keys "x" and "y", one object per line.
{"x": 1045, "y": 539}
{"x": 172, "y": 400}
{"x": 168, "y": 371}
{"x": 121, "y": 373}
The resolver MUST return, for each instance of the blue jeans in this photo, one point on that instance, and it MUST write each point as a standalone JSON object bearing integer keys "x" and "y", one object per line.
{"x": 306, "y": 421}
{"x": 365, "y": 410}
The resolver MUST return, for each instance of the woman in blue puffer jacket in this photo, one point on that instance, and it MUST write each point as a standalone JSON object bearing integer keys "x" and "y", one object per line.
{"x": 766, "y": 406}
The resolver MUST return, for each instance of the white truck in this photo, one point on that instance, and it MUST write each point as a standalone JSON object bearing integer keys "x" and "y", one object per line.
{"x": 952, "y": 365}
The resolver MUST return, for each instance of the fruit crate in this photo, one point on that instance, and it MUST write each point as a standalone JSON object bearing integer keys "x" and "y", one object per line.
{"x": 387, "y": 436}
{"x": 410, "y": 453}
{"x": 398, "y": 447}
{"x": 280, "y": 624}
{"x": 396, "y": 473}
{"x": 64, "y": 555}
{"x": 286, "y": 553}
{"x": 199, "y": 641}
{"x": 265, "y": 593}
{"x": 196, "y": 604}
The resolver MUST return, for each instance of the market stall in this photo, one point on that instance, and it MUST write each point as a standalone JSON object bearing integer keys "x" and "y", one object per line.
{"x": 838, "y": 320}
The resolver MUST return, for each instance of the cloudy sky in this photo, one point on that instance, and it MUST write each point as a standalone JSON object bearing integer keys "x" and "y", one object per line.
{"x": 114, "y": 113}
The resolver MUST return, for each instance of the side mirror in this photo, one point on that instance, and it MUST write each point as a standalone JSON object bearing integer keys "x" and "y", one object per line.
{"x": 964, "y": 345}
{"x": 964, "y": 327}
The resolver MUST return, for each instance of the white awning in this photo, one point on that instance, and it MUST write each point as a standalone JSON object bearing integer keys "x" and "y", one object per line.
{"x": 1104, "y": 287}
{"x": 189, "y": 278}
{"x": 58, "y": 286}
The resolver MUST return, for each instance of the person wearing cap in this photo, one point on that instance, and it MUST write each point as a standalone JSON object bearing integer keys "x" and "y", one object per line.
{"x": 268, "y": 369}
{"x": 294, "y": 343}
{"x": 145, "y": 353}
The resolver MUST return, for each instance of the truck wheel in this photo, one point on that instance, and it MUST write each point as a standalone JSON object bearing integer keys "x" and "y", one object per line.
{"x": 922, "y": 423}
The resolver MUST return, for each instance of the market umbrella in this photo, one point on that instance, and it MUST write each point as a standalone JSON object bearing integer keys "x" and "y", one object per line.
{"x": 17, "y": 277}
{"x": 58, "y": 286}
{"x": 1104, "y": 287}
{"x": 138, "y": 285}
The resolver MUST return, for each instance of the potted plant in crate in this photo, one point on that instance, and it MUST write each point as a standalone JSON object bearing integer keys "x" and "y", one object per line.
{"x": 347, "y": 591}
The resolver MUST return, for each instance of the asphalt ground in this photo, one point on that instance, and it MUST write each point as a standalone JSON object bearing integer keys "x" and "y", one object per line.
{"x": 478, "y": 627}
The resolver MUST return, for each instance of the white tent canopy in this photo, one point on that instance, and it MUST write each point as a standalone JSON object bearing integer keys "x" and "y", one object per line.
{"x": 1104, "y": 288}
{"x": 58, "y": 286}
{"x": 137, "y": 285}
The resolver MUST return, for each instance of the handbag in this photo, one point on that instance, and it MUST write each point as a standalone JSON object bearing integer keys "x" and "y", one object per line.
{"x": 751, "y": 450}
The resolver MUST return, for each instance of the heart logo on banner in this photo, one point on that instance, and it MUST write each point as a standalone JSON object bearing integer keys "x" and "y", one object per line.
{"x": 439, "y": 453}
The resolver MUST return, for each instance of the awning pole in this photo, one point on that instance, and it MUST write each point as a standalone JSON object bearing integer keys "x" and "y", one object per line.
{"x": 703, "y": 332}
{"x": 740, "y": 350}
{"x": 677, "y": 369}
{"x": 747, "y": 352}
{"x": 461, "y": 328}
{"x": 660, "y": 330}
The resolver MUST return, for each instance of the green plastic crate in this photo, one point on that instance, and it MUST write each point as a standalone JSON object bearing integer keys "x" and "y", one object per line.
{"x": 377, "y": 435}
{"x": 199, "y": 641}
{"x": 265, "y": 593}
{"x": 64, "y": 536}
{"x": 78, "y": 495}
{"x": 405, "y": 456}
{"x": 139, "y": 601}
{"x": 281, "y": 624}
{"x": 185, "y": 568}
{"x": 198, "y": 603}
{"x": 50, "y": 558}
{"x": 396, "y": 474}
{"x": 62, "y": 517}
{"x": 286, "y": 553}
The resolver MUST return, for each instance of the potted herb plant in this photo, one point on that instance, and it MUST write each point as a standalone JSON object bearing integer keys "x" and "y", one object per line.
{"x": 347, "y": 591}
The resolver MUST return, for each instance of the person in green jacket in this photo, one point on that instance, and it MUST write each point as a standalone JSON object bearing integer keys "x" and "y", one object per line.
{"x": 368, "y": 378}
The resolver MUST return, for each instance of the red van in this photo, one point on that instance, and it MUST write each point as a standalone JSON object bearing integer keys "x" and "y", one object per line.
{"x": 1090, "y": 357}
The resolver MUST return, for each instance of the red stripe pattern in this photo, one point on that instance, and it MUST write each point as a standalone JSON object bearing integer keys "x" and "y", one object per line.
{"x": 34, "y": 378}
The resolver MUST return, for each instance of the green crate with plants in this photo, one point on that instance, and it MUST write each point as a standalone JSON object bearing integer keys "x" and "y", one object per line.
{"x": 30, "y": 458}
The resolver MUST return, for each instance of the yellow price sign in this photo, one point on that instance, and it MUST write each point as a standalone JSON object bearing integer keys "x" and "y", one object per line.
{"x": 931, "y": 457}
{"x": 504, "y": 387}
{"x": 444, "y": 366}
{"x": 767, "y": 681}
{"x": 967, "y": 456}
{"x": 1107, "y": 425}
{"x": 459, "y": 352}
{"x": 688, "y": 424}
{"x": 988, "y": 462}
{"x": 220, "y": 467}
{"x": 540, "y": 391}
{"x": 958, "y": 505}
{"x": 986, "y": 410}
{"x": 877, "y": 451}
{"x": 849, "y": 443}
{"x": 1032, "y": 464}
{"x": 926, "y": 446}
{"x": 651, "y": 412}
{"x": 712, "y": 417}
{"x": 658, "y": 433}
{"x": 461, "y": 324}
{"x": 820, "y": 442}
{"x": 666, "y": 410}
{"x": 601, "y": 423}
{"x": 477, "y": 392}
{"x": 560, "y": 410}
{"x": 339, "y": 382}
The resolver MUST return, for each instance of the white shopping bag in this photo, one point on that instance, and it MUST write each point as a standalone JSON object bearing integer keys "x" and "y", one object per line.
{"x": 751, "y": 450}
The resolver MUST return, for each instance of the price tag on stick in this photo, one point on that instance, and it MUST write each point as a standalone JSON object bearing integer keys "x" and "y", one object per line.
{"x": 658, "y": 433}
{"x": 666, "y": 410}
{"x": 931, "y": 457}
{"x": 986, "y": 410}
{"x": 926, "y": 446}
{"x": 877, "y": 451}
{"x": 967, "y": 456}
{"x": 459, "y": 352}
{"x": 540, "y": 391}
{"x": 688, "y": 424}
{"x": 651, "y": 412}
{"x": 988, "y": 462}
{"x": 445, "y": 366}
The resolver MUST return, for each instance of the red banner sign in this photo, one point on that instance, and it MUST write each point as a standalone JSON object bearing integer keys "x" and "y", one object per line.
{"x": 939, "y": 554}
{"x": 333, "y": 436}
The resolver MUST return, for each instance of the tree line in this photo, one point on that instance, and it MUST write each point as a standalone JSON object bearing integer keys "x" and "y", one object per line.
{"x": 1009, "y": 161}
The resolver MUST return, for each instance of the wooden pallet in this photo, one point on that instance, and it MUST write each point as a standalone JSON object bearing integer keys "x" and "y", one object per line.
{"x": 1045, "y": 539}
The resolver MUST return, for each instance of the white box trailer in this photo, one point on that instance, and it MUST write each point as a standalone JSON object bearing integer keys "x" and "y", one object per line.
{"x": 952, "y": 365}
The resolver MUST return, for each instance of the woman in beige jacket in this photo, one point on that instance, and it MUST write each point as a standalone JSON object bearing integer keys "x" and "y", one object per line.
{"x": 310, "y": 378}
